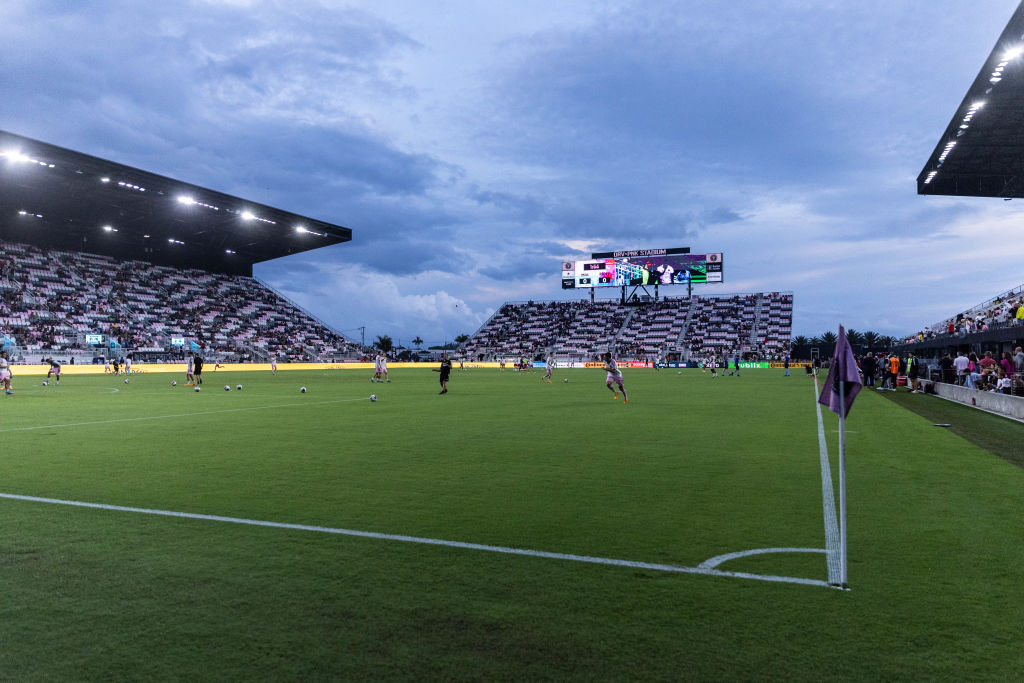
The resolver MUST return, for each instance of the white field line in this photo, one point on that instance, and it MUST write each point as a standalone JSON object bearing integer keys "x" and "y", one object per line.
{"x": 431, "y": 541}
{"x": 828, "y": 500}
{"x": 715, "y": 561}
{"x": 177, "y": 415}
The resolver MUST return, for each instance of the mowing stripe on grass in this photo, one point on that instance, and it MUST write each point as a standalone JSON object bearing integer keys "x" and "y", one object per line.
{"x": 174, "y": 415}
{"x": 828, "y": 501}
{"x": 430, "y": 541}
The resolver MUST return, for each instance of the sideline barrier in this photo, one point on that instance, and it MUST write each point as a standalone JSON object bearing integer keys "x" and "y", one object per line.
{"x": 1003, "y": 404}
{"x": 208, "y": 369}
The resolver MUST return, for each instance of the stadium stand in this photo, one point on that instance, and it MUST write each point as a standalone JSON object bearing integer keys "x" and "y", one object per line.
{"x": 756, "y": 326}
{"x": 49, "y": 301}
{"x": 1005, "y": 310}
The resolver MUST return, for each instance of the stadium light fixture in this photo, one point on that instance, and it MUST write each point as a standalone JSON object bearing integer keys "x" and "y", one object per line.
{"x": 248, "y": 216}
{"x": 229, "y": 251}
{"x": 931, "y": 177}
{"x": 185, "y": 199}
{"x": 104, "y": 180}
{"x": 108, "y": 228}
{"x": 299, "y": 228}
{"x": 1013, "y": 53}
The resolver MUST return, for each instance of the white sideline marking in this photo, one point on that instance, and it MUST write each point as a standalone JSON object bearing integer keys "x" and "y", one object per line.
{"x": 430, "y": 541}
{"x": 828, "y": 501}
{"x": 174, "y": 415}
{"x": 715, "y": 561}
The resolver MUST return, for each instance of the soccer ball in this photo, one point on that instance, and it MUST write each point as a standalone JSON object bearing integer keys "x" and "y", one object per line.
{"x": 373, "y": 397}
{"x": 303, "y": 390}
{"x": 239, "y": 387}
{"x": 197, "y": 388}
{"x": 173, "y": 383}
{"x": 227, "y": 388}
{"x": 45, "y": 383}
{"x": 565, "y": 379}
{"x": 126, "y": 381}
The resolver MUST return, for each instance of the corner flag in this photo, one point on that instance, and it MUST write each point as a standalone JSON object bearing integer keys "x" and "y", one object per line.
{"x": 843, "y": 379}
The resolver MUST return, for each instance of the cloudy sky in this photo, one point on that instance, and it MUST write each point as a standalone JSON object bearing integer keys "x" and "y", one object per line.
{"x": 472, "y": 146}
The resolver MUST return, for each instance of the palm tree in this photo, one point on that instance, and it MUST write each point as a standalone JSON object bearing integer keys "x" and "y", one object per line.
{"x": 461, "y": 338}
{"x": 814, "y": 341}
{"x": 384, "y": 343}
{"x": 828, "y": 338}
{"x": 870, "y": 339}
{"x": 854, "y": 337}
{"x": 417, "y": 342}
{"x": 801, "y": 340}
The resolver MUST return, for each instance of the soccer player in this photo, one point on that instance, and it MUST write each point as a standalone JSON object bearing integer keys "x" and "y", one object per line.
{"x": 384, "y": 367}
{"x": 5, "y": 373}
{"x": 376, "y": 369}
{"x": 127, "y": 365}
{"x": 501, "y": 365}
{"x": 198, "y": 369}
{"x": 273, "y": 365}
{"x": 785, "y": 363}
{"x": 190, "y": 375}
{"x": 54, "y": 370}
{"x": 614, "y": 378}
{"x": 106, "y": 365}
{"x": 551, "y": 364}
{"x": 446, "y": 371}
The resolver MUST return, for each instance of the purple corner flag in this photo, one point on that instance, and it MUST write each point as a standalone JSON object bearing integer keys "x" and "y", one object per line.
{"x": 844, "y": 367}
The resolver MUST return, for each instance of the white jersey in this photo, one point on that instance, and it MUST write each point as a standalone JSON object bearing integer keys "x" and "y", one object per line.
{"x": 613, "y": 370}
{"x": 190, "y": 365}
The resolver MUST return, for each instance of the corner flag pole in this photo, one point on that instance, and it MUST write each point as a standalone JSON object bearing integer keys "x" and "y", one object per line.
{"x": 842, "y": 482}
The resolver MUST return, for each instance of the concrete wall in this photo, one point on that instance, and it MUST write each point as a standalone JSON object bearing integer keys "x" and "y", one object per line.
{"x": 1004, "y": 404}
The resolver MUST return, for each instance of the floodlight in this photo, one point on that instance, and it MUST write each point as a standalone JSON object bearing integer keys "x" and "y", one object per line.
{"x": 107, "y": 228}
{"x": 185, "y": 199}
{"x": 104, "y": 180}
{"x": 299, "y": 228}
{"x": 1013, "y": 53}
{"x": 246, "y": 215}
{"x": 229, "y": 251}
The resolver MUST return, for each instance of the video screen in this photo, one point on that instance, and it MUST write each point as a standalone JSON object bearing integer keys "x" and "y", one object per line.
{"x": 675, "y": 269}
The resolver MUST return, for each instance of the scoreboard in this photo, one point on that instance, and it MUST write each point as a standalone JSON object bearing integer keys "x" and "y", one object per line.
{"x": 661, "y": 269}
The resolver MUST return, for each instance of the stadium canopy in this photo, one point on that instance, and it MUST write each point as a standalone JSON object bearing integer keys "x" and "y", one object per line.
{"x": 55, "y": 198}
{"x": 981, "y": 153}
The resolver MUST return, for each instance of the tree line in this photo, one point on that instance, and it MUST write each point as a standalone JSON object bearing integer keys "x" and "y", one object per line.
{"x": 868, "y": 339}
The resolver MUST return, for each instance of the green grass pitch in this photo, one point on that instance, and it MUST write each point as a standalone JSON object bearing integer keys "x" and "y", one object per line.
{"x": 692, "y": 468}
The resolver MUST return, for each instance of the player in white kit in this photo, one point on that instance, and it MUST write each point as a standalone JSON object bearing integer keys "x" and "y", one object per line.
{"x": 383, "y": 365}
{"x": 614, "y": 378}
{"x": 550, "y": 362}
{"x": 5, "y": 373}
{"x": 190, "y": 377}
{"x": 273, "y": 365}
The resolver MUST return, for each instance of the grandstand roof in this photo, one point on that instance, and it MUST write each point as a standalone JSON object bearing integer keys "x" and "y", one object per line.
{"x": 981, "y": 152}
{"x": 57, "y": 198}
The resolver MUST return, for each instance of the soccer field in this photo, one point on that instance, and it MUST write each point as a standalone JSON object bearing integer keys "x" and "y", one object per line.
{"x": 510, "y": 529}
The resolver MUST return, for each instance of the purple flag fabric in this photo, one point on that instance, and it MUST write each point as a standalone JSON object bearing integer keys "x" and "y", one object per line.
{"x": 844, "y": 367}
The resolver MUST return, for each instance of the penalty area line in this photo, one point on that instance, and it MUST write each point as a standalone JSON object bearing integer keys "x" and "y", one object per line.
{"x": 653, "y": 566}
{"x": 176, "y": 415}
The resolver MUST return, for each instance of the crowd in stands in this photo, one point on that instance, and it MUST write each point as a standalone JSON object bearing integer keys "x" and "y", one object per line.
{"x": 754, "y": 326}
{"x": 1001, "y": 311}
{"x": 49, "y": 301}
{"x": 986, "y": 372}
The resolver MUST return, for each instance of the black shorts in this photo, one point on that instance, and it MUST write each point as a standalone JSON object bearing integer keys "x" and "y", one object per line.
{"x": 444, "y": 377}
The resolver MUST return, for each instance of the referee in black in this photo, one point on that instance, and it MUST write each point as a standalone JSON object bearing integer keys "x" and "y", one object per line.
{"x": 197, "y": 369}
{"x": 446, "y": 371}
